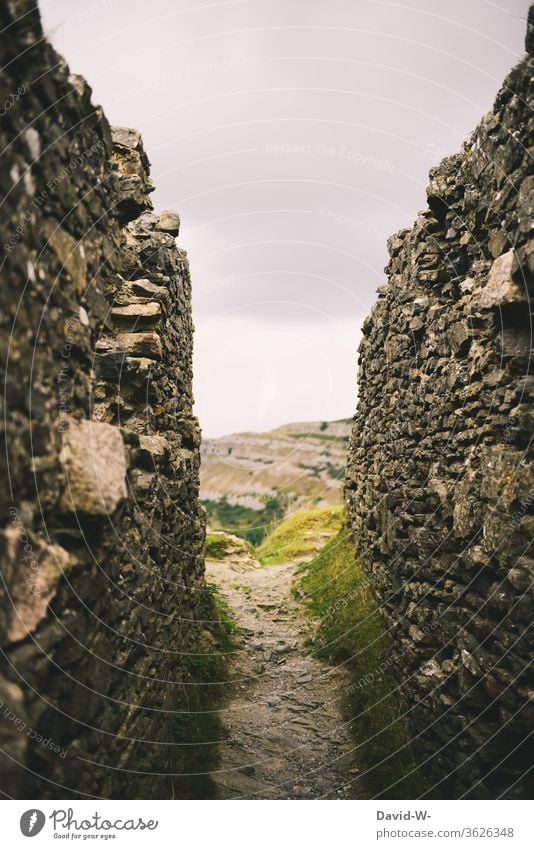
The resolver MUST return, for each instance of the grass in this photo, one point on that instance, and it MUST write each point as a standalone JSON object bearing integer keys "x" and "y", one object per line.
{"x": 216, "y": 546}
{"x": 251, "y": 525}
{"x": 350, "y": 630}
{"x": 219, "y": 545}
{"x": 297, "y": 536}
{"x": 196, "y": 721}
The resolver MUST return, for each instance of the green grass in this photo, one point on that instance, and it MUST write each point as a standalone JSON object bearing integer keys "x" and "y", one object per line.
{"x": 251, "y": 525}
{"x": 216, "y": 546}
{"x": 196, "y": 720}
{"x": 297, "y": 536}
{"x": 224, "y": 628}
{"x": 350, "y": 630}
{"x": 220, "y": 545}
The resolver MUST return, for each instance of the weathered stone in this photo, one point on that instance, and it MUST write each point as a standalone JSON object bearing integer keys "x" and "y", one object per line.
{"x": 126, "y": 137}
{"x": 501, "y": 288}
{"x": 140, "y": 344}
{"x": 150, "y": 310}
{"x": 459, "y": 336}
{"x": 146, "y": 289}
{"x": 95, "y": 468}
{"x": 13, "y": 740}
{"x": 169, "y": 222}
{"x": 135, "y": 316}
{"x": 70, "y": 254}
{"x": 36, "y": 569}
{"x": 497, "y": 241}
{"x": 143, "y": 344}
{"x": 526, "y": 205}
{"x": 520, "y": 579}
{"x": 132, "y": 165}
{"x": 469, "y": 662}
{"x": 111, "y": 594}
{"x": 440, "y": 480}
{"x": 153, "y": 447}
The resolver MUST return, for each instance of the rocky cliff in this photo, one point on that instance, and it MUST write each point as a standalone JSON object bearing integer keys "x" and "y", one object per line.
{"x": 440, "y": 484}
{"x": 101, "y": 529}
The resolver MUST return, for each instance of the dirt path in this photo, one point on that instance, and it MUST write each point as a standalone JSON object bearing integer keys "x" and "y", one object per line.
{"x": 284, "y": 733}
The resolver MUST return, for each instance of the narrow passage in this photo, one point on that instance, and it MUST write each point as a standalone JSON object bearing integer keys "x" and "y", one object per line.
{"x": 284, "y": 733}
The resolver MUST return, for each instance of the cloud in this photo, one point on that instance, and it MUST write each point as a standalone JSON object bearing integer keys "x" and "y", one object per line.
{"x": 293, "y": 138}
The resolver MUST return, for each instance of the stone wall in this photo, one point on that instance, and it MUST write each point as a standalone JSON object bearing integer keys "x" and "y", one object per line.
{"x": 440, "y": 484}
{"x": 101, "y": 530}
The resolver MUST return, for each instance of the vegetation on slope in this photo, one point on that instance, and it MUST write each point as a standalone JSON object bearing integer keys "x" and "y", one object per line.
{"x": 349, "y": 630}
{"x": 220, "y": 545}
{"x": 242, "y": 476}
{"x": 300, "y": 536}
{"x": 252, "y": 525}
{"x": 197, "y": 724}
{"x": 216, "y": 546}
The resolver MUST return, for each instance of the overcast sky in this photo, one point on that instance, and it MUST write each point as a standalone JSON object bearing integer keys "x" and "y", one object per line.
{"x": 293, "y": 136}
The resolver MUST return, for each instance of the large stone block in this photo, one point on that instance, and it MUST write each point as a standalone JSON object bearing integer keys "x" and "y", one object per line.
{"x": 94, "y": 463}
{"x": 32, "y": 570}
{"x": 501, "y": 288}
{"x": 13, "y": 739}
{"x": 142, "y": 344}
{"x": 169, "y": 222}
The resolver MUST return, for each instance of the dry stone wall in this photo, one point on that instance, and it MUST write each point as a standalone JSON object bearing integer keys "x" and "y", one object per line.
{"x": 101, "y": 531}
{"x": 440, "y": 483}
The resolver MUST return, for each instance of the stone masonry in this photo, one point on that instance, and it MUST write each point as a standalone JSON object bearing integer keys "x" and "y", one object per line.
{"x": 440, "y": 483}
{"x": 101, "y": 530}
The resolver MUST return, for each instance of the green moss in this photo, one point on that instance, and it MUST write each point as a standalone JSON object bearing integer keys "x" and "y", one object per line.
{"x": 216, "y": 546}
{"x": 350, "y": 630}
{"x": 225, "y": 628}
{"x": 196, "y": 723}
{"x": 297, "y": 536}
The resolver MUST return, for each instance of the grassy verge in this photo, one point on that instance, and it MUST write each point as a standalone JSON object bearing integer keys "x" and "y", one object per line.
{"x": 197, "y": 725}
{"x": 349, "y": 629}
{"x": 300, "y": 535}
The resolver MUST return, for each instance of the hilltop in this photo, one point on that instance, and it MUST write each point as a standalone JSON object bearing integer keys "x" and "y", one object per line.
{"x": 249, "y": 480}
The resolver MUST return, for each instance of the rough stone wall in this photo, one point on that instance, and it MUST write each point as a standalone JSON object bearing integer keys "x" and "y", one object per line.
{"x": 101, "y": 531}
{"x": 440, "y": 484}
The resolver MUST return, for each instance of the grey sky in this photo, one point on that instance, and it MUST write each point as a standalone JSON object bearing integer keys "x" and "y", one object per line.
{"x": 293, "y": 138}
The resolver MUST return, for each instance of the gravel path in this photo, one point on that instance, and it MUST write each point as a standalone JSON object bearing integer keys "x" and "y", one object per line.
{"x": 284, "y": 734}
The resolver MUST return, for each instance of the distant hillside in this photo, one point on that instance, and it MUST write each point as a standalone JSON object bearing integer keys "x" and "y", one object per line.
{"x": 250, "y": 480}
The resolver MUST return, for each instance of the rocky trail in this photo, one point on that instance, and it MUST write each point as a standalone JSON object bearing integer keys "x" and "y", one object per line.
{"x": 284, "y": 734}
